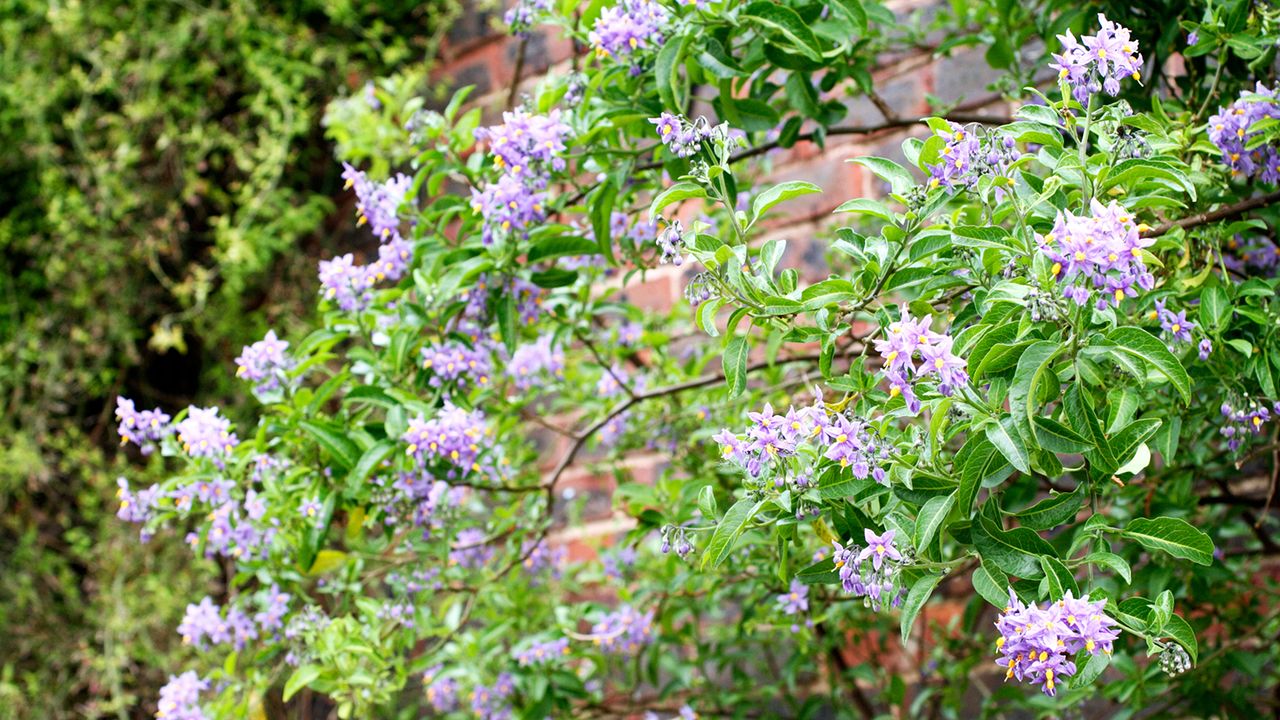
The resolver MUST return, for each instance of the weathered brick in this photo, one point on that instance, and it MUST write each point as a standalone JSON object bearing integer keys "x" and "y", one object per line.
{"x": 961, "y": 76}
{"x": 905, "y": 94}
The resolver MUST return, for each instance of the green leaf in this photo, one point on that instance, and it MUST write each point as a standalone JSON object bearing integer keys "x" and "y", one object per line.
{"x": 734, "y": 362}
{"x": 666, "y": 69}
{"x": 1035, "y": 361}
{"x": 992, "y": 584}
{"x": 930, "y": 519}
{"x": 341, "y": 449}
{"x": 1092, "y": 670}
{"x": 326, "y": 561}
{"x": 1082, "y": 418}
{"x": 707, "y": 502}
{"x": 369, "y": 462}
{"x": 674, "y": 194}
{"x": 917, "y": 596}
{"x": 1143, "y": 345}
{"x": 984, "y": 236}
{"x": 1004, "y": 436}
{"x": 508, "y": 320}
{"x": 1132, "y": 436}
{"x": 1182, "y": 632}
{"x": 727, "y": 531}
{"x": 782, "y": 22}
{"x": 822, "y": 572}
{"x": 560, "y": 245}
{"x": 1174, "y": 536}
{"x": 889, "y": 171}
{"x": 982, "y": 464}
{"x": 1056, "y": 437}
{"x": 1058, "y": 577}
{"x": 780, "y": 193}
{"x": 1214, "y": 307}
{"x": 828, "y": 292}
{"x": 302, "y": 677}
{"x": 1015, "y": 551}
{"x": 553, "y": 278}
{"x": 1112, "y": 562}
{"x": 1053, "y": 510}
{"x": 866, "y": 206}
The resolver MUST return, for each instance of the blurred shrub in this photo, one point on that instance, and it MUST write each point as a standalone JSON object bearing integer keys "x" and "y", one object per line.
{"x": 160, "y": 159}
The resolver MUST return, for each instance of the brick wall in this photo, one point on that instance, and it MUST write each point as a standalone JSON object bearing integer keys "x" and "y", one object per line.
{"x": 477, "y": 52}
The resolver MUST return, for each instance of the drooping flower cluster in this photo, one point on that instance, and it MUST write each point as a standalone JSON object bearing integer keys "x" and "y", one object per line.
{"x": 623, "y": 631}
{"x": 509, "y": 206}
{"x": 232, "y": 531}
{"x": 629, "y": 27}
{"x": 772, "y": 438}
{"x": 453, "y": 362}
{"x": 1036, "y": 645}
{"x": 144, "y": 429}
{"x": 968, "y": 156}
{"x": 532, "y": 361}
{"x": 204, "y": 433}
{"x": 682, "y": 137}
{"x": 1101, "y": 251}
{"x": 1098, "y": 62}
{"x": 871, "y": 572}
{"x": 907, "y": 337}
{"x": 453, "y": 435}
{"x": 671, "y": 243}
{"x": 1232, "y": 129}
{"x": 265, "y": 362}
{"x": 180, "y": 697}
{"x": 540, "y": 653}
{"x": 1243, "y": 421}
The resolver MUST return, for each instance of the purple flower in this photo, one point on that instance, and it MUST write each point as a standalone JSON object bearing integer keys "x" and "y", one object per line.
{"x": 378, "y": 203}
{"x": 1206, "y": 348}
{"x": 180, "y": 697}
{"x": 1101, "y": 251}
{"x": 524, "y": 14}
{"x": 136, "y": 507}
{"x": 629, "y": 27}
{"x": 346, "y": 283}
{"x": 454, "y": 436}
{"x": 1231, "y": 129}
{"x": 394, "y": 257}
{"x": 682, "y": 137}
{"x": 541, "y": 653}
{"x": 311, "y": 509}
{"x": 671, "y": 243}
{"x": 531, "y": 361}
{"x": 1193, "y": 37}
{"x": 442, "y": 693}
{"x": 1175, "y": 325}
{"x": 1245, "y": 420}
{"x": 1098, "y": 62}
{"x": 204, "y": 621}
{"x": 264, "y": 362}
{"x": 623, "y": 631}
{"x": 457, "y": 364}
{"x": 143, "y": 429}
{"x": 275, "y": 607}
{"x": 796, "y": 600}
{"x": 471, "y": 550}
{"x": 879, "y": 548}
{"x": 966, "y": 157}
{"x": 526, "y": 144}
{"x": 203, "y": 433}
{"x": 1035, "y": 644}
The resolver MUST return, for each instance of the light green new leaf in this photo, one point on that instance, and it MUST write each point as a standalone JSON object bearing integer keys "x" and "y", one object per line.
{"x": 732, "y": 525}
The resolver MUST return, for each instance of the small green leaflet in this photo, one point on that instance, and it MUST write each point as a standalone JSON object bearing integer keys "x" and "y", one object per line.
{"x": 917, "y": 596}
{"x": 1174, "y": 536}
{"x": 731, "y": 526}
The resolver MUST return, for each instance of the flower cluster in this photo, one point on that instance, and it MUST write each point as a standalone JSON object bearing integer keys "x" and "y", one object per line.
{"x": 907, "y": 337}
{"x": 1245, "y": 420}
{"x": 454, "y": 434}
{"x": 1232, "y": 129}
{"x": 378, "y": 204}
{"x": 1101, "y": 251}
{"x": 264, "y": 362}
{"x": 207, "y": 622}
{"x": 623, "y": 631}
{"x": 471, "y": 550}
{"x": 628, "y": 27}
{"x": 346, "y": 283}
{"x": 453, "y": 362}
{"x": 136, "y": 507}
{"x": 180, "y": 697}
{"x": 682, "y": 137}
{"x": 1035, "y": 645}
{"x": 796, "y": 600}
{"x": 1255, "y": 254}
{"x": 1098, "y": 62}
{"x": 526, "y": 149}
{"x": 144, "y": 429}
{"x": 493, "y": 703}
{"x": 522, "y": 16}
{"x": 532, "y": 360}
{"x": 540, "y": 653}
{"x": 671, "y": 243}
{"x": 204, "y": 433}
{"x": 772, "y": 438}
{"x": 526, "y": 144}
{"x": 968, "y": 156}
{"x": 442, "y": 693}
{"x": 232, "y": 531}
{"x": 871, "y": 572}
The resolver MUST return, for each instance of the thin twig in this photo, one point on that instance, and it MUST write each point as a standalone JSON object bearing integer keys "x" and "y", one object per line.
{"x": 1223, "y": 213}
{"x": 515, "y": 79}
